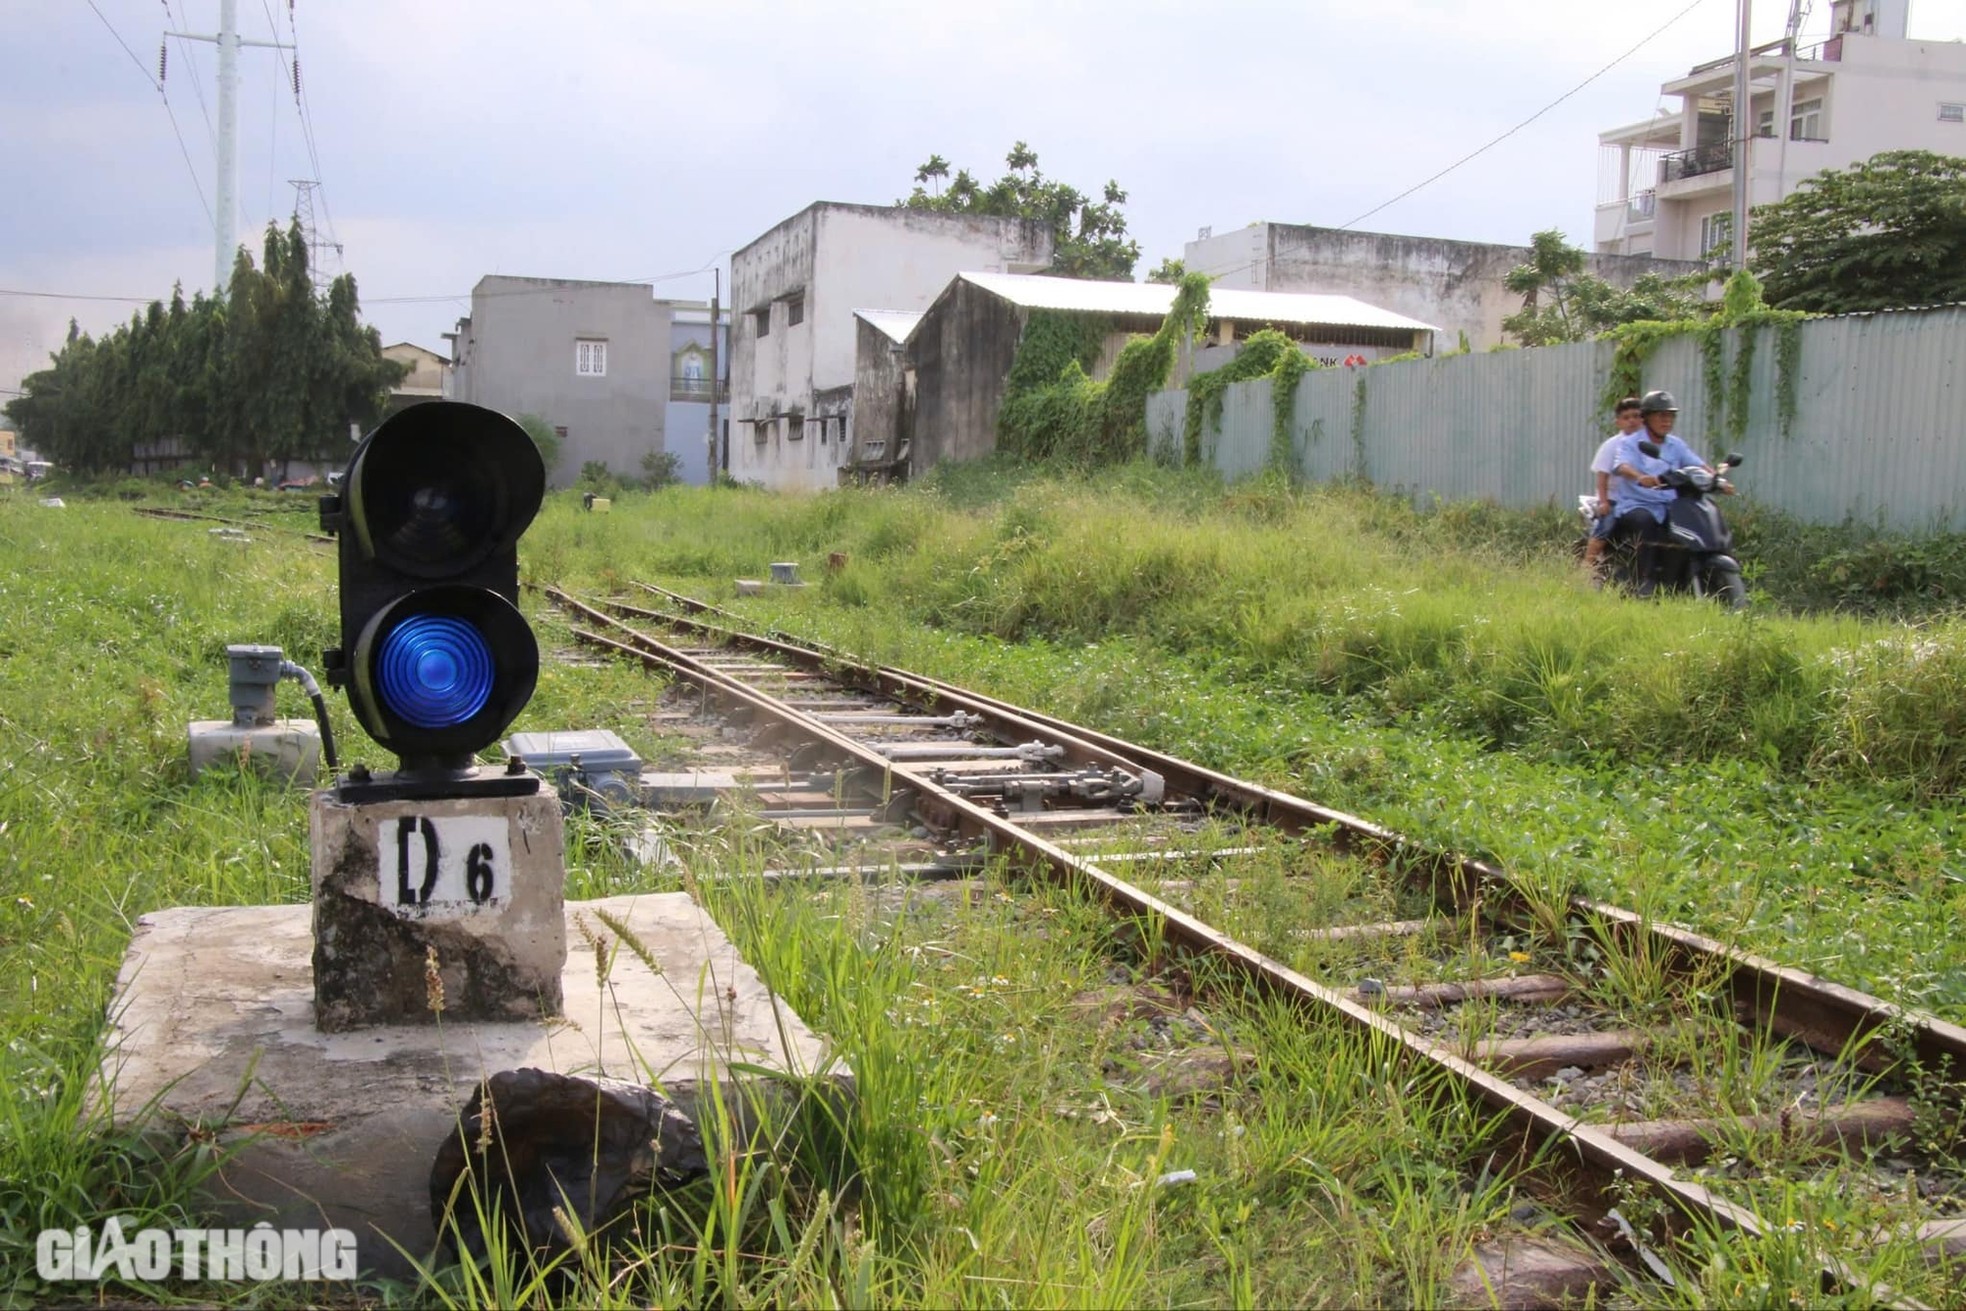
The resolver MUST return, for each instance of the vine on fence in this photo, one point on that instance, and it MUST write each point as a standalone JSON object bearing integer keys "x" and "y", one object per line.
{"x": 1290, "y": 370}
{"x": 1358, "y": 426}
{"x": 1266, "y": 354}
{"x": 1053, "y": 410}
{"x": 1727, "y": 392}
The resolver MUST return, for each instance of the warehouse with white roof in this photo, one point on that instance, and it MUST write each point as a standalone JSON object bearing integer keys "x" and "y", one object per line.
{"x": 934, "y": 396}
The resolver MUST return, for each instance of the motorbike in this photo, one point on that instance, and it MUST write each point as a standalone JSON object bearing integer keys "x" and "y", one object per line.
{"x": 1696, "y": 552}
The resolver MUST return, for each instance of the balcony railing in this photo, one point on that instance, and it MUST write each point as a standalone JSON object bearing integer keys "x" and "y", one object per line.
{"x": 1710, "y": 158}
{"x": 697, "y": 389}
{"x": 1642, "y": 206}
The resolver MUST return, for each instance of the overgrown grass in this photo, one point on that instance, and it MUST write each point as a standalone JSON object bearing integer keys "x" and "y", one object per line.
{"x": 1008, "y": 1134}
{"x": 1463, "y": 618}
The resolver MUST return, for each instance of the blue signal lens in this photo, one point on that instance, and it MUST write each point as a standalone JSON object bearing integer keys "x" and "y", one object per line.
{"x": 434, "y": 671}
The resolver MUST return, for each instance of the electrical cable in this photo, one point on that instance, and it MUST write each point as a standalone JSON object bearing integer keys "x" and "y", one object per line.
{"x": 306, "y": 114}
{"x": 1649, "y": 38}
{"x": 141, "y": 67}
{"x": 288, "y": 669}
{"x": 183, "y": 149}
{"x": 197, "y": 78}
{"x": 63, "y": 295}
{"x": 554, "y": 286}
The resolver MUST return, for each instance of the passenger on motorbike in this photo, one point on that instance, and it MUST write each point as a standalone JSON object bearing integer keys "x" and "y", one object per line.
{"x": 1638, "y": 498}
{"x": 1602, "y": 465}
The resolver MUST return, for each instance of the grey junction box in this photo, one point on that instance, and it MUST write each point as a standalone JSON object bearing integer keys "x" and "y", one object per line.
{"x": 590, "y": 767}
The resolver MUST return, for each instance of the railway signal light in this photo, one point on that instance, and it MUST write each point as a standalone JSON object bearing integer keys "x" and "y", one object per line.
{"x": 435, "y": 656}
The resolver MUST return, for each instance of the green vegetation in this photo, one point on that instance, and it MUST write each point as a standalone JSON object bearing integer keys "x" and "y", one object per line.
{"x": 544, "y": 437}
{"x": 1089, "y": 238}
{"x": 1267, "y": 354}
{"x": 1027, "y": 1071}
{"x": 1884, "y": 234}
{"x": 1561, "y": 302}
{"x": 1052, "y": 411}
{"x": 270, "y": 371}
{"x": 1742, "y": 313}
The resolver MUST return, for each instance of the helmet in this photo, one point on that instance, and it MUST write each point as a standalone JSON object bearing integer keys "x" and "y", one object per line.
{"x": 1658, "y": 402}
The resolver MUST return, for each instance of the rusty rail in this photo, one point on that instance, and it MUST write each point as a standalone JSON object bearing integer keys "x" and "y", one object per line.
{"x": 1550, "y": 1140}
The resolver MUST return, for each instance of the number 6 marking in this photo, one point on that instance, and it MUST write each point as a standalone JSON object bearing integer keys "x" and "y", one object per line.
{"x": 478, "y": 873}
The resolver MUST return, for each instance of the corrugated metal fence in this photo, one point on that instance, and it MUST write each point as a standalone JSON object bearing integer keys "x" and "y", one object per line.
{"x": 1876, "y": 435}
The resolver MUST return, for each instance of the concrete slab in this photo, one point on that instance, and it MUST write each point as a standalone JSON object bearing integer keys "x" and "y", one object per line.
{"x": 698, "y": 787}
{"x": 286, "y": 749}
{"x": 213, "y": 1021}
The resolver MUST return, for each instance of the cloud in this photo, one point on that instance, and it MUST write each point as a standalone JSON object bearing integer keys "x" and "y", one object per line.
{"x": 624, "y": 138}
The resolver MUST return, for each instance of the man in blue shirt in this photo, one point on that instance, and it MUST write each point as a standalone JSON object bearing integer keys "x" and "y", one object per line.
{"x": 1638, "y": 498}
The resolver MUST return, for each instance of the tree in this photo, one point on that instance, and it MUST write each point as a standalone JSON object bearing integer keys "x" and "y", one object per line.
{"x": 1561, "y": 302}
{"x": 1089, "y": 236}
{"x": 1170, "y": 270}
{"x": 1883, "y": 234}
{"x": 545, "y": 438}
{"x": 661, "y": 469}
{"x": 271, "y": 371}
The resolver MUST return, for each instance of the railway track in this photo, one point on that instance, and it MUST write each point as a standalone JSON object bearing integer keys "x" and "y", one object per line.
{"x": 194, "y": 516}
{"x": 1537, "y": 1044}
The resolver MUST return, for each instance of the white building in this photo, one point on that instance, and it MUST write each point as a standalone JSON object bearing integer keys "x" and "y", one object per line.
{"x": 1459, "y": 286}
{"x": 1665, "y": 186}
{"x": 794, "y": 293}
{"x": 931, "y": 386}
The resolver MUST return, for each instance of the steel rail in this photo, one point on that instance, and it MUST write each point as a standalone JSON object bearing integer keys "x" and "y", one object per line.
{"x": 1549, "y": 1136}
{"x": 1826, "y": 1016}
{"x": 195, "y": 516}
{"x": 1457, "y": 878}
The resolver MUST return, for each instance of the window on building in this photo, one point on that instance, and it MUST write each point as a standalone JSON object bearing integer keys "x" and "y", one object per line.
{"x": 1806, "y": 120}
{"x": 761, "y": 321}
{"x": 761, "y": 430}
{"x": 795, "y": 428}
{"x": 561, "y": 432}
{"x": 1764, "y": 123}
{"x": 1716, "y": 231}
{"x": 1952, "y": 113}
{"x": 590, "y": 357}
{"x": 795, "y": 311}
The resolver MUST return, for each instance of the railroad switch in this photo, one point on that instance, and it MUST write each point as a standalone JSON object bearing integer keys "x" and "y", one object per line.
{"x": 1027, "y": 793}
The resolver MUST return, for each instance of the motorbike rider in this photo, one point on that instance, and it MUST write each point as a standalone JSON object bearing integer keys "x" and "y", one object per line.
{"x": 1639, "y": 498}
{"x": 1602, "y": 464}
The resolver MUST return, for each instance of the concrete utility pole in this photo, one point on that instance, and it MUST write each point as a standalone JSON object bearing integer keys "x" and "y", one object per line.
{"x": 719, "y": 461}
{"x": 225, "y": 228}
{"x": 1785, "y": 100}
{"x": 1743, "y": 140}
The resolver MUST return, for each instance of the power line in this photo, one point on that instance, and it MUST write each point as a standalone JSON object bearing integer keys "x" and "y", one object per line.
{"x": 1655, "y": 33}
{"x": 184, "y": 150}
{"x": 141, "y": 68}
{"x": 197, "y": 78}
{"x": 392, "y": 300}
{"x": 542, "y": 291}
{"x": 67, "y": 295}
{"x": 305, "y": 113}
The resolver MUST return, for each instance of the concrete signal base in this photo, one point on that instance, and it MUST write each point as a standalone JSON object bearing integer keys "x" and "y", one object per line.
{"x": 214, "y": 1028}
{"x": 413, "y": 898}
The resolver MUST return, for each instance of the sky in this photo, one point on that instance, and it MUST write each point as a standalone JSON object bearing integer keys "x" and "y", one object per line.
{"x": 642, "y": 140}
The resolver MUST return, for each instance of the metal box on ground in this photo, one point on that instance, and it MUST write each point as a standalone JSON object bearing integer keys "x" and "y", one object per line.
{"x": 590, "y": 767}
